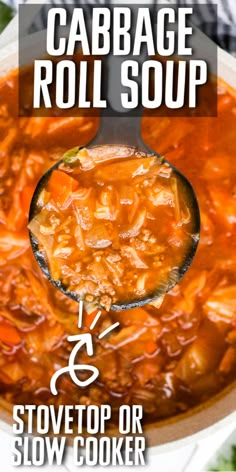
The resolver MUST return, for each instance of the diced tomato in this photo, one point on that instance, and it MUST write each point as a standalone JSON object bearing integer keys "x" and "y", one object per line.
{"x": 9, "y": 334}
{"x": 61, "y": 186}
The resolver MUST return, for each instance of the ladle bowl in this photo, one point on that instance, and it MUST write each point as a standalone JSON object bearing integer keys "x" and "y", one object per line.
{"x": 125, "y": 130}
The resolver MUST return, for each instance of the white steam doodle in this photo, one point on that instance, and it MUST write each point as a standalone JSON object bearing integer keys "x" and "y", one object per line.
{"x": 86, "y": 340}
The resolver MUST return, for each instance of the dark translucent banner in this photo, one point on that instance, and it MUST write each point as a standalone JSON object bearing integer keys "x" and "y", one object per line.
{"x": 87, "y": 59}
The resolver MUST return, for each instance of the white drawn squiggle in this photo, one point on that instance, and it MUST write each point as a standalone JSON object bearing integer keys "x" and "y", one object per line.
{"x": 83, "y": 340}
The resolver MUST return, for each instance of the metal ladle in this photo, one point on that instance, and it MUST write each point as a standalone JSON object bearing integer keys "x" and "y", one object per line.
{"x": 124, "y": 129}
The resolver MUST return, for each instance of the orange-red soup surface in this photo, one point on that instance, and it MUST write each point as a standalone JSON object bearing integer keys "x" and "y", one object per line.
{"x": 167, "y": 359}
{"x": 113, "y": 224}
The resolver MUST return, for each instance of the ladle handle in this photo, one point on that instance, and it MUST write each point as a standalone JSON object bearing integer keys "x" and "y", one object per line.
{"x": 118, "y": 126}
{"x": 120, "y": 129}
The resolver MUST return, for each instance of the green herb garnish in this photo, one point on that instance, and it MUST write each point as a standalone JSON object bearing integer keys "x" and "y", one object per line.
{"x": 226, "y": 465}
{"x": 71, "y": 158}
{"x": 6, "y": 14}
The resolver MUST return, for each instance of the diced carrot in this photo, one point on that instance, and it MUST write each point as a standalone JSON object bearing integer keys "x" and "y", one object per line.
{"x": 89, "y": 318}
{"x": 61, "y": 185}
{"x": 8, "y": 333}
{"x": 150, "y": 347}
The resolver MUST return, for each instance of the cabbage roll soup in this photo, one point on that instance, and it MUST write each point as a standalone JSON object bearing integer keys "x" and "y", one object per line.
{"x": 114, "y": 224}
{"x": 167, "y": 359}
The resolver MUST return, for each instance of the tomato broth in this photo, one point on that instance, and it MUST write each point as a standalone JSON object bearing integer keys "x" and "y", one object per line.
{"x": 114, "y": 224}
{"x": 167, "y": 359}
